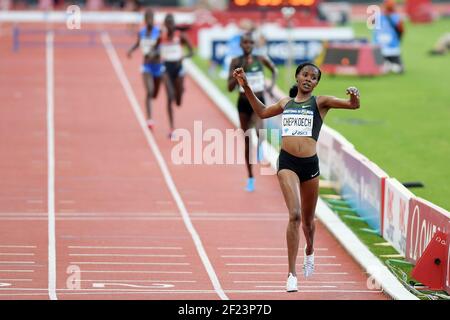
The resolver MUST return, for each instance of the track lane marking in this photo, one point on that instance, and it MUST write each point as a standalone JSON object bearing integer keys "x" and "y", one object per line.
{"x": 51, "y": 166}
{"x": 122, "y": 247}
{"x": 274, "y": 272}
{"x": 306, "y": 281}
{"x": 165, "y": 171}
{"x": 127, "y": 255}
{"x": 135, "y": 271}
{"x": 132, "y": 263}
{"x": 273, "y": 248}
{"x": 14, "y": 246}
{"x": 282, "y": 264}
{"x": 144, "y": 291}
{"x": 138, "y": 281}
{"x": 284, "y": 257}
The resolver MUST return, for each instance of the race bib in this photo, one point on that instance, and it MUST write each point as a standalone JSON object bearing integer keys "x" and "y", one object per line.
{"x": 255, "y": 81}
{"x": 171, "y": 52}
{"x": 385, "y": 38}
{"x": 297, "y": 123}
{"x": 146, "y": 45}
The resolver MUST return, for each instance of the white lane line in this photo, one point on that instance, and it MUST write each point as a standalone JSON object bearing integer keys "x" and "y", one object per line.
{"x": 282, "y": 264}
{"x": 23, "y": 218}
{"x": 16, "y": 254}
{"x": 134, "y": 271}
{"x": 68, "y": 211}
{"x": 195, "y": 203}
{"x": 35, "y": 201}
{"x": 109, "y": 214}
{"x": 17, "y": 280}
{"x": 264, "y": 249}
{"x": 124, "y": 218}
{"x": 23, "y": 294}
{"x": 264, "y": 272}
{"x": 307, "y": 291}
{"x": 284, "y": 257}
{"x": 237, "y": 219}
{"x": 51, "y": 168}
{"x": 227, "y": 214}
{"x": 17, "y": 262}
{"x": 307, "y": 281}
{"x": 90, "y": 291}
{"x": 14, "y": 246}
{"x": 298, "y": 286}
{"x": 164, "y": 201}
{"x": 126, "y": 248}
{"x": 126, "y": 255}
{"x": 72, "y": 216}
{"x": 19, "y": 214}
{"x": 165, "y": 171}
{"x": 66, "y": 201}
{"x": 124, "y": 214}
{"x": 18, "y": 271}
{"x": 136, "y": 281}
{"x": 134, "y": 263}
{"x": 165, "y": 292}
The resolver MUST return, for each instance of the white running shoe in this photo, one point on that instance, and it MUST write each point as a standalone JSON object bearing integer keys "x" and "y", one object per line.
{"x": 291, "y": 283}
{"x": 308, "y": 264}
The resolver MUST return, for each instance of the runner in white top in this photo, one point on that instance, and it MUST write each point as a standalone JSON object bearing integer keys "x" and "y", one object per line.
{"x": 171, "y": 45}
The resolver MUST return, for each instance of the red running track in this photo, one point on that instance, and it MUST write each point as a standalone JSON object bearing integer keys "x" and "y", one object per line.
{"x": 118, "y": 225}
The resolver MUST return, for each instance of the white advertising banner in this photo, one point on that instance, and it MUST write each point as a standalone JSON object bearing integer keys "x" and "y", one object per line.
{"x": 395, "y": 214}
{"x": 329, "y": 147}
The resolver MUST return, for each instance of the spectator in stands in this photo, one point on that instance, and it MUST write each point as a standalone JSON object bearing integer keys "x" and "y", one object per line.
{"x": 387, "y": 34}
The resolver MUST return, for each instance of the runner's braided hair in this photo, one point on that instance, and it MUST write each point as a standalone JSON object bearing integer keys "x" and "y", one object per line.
{"x": 294, "y": 89}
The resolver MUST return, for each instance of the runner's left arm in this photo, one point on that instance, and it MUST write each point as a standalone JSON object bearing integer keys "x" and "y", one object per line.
{"x": 134, "y": 47}
{"x": 187, "y": 43}
{"x": 329, "y": 102}
{"x": 260, "y": 108}
{"x": 271, "y": 66}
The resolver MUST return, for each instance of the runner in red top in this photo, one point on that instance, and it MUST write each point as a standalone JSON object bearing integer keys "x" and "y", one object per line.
{"x": 171, "y": 47}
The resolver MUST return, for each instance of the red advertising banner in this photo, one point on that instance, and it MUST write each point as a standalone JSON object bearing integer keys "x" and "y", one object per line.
{"x": 424, "y": 220}
{"x": 419, "y": 10}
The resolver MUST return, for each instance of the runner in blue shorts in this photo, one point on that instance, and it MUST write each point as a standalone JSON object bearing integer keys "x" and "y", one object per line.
{"x": 152, "y": 68}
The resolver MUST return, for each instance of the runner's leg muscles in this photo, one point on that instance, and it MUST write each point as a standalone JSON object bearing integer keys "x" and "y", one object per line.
{"x": 244, "y": 120}
{"x": 148, "y": 84}
{"x": 309, "y": 193}
{"x": 290, "y": 184}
